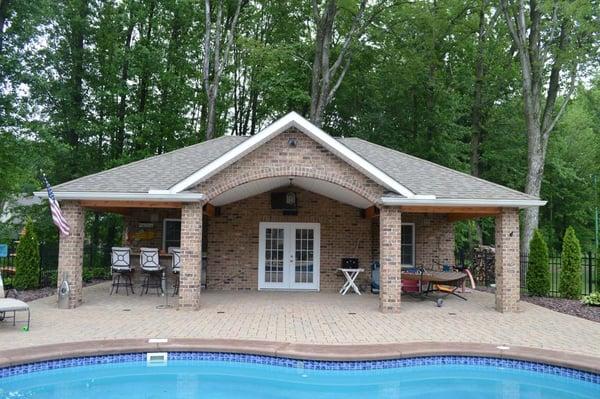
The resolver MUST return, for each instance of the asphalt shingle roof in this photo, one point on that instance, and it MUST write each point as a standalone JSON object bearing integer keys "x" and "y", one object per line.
{"x": 159, "y": 172}
{"x": 163, "y": 171}
{"x": 428, "y": 178}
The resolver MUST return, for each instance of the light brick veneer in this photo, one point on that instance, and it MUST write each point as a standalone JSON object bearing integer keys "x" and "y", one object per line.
{"x": 70, "y": 254}
{"x": 277, "y": 159}
{"x": 390, "y": 225}
{"x": 508, "y": 292}
{"x": 233, "y": 238}
{"x": 191, "y": 244}
{"x": 434, "y": 239}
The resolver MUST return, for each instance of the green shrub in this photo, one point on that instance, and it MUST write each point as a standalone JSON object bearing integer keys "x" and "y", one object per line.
{"x": 538, "y": 270}
{"x": 50, "y": 278}
{"x": 8, "y": 282}
{"x": 96, "y": 273}
{"x": 27, "y": 261}
{"x": 592, "y": 299}
{"x": 570, "y": 271}
{"x": 87, "y": 275}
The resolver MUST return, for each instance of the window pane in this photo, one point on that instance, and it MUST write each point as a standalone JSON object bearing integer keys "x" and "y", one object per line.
{"x": 407, "y": 245}
{"x": 172, "y": 233}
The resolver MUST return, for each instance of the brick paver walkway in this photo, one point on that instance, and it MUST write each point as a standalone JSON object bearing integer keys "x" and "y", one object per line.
{"x": 318, "y": 318}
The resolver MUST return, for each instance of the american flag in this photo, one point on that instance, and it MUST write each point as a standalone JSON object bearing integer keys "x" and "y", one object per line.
{"x": 57, "y": 216}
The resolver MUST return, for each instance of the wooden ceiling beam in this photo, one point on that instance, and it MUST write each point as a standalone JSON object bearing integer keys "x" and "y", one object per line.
{"x": 209, "y": 210}
{"x": 371, "y": 212}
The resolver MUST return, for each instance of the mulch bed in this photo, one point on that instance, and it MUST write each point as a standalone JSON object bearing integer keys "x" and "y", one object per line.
{"x": 32, "y": 295}
{"x": 572, "y": 307}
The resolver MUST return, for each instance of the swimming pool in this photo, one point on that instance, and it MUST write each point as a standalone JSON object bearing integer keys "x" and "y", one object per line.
{"x": 226, "y": 375}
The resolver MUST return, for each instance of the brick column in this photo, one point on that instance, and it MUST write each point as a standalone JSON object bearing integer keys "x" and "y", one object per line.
{"x": 191, "y": 255}
{"x": 508, "y": 291}
{"x": 70, "y": 253}
{"x": 390, "y": 227}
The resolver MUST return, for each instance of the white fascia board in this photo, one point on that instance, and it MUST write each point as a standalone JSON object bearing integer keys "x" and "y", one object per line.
{"x": 115, "y": 196}
{"x": 294, "y": 120}
{"x": 507, "y": 203}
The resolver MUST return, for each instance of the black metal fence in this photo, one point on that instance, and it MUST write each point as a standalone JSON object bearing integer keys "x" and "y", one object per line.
{"x": 482, "y": 265}
{"x": 9, "y": 261}
{"x": 96, "y": 263}
{"x": 590, "y": 274}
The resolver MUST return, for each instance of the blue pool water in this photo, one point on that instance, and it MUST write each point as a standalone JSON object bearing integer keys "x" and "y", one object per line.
{"x": 243, "y": 376}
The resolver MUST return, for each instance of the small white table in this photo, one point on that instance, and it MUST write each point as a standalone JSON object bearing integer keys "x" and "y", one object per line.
{"x": 351, "y": 275}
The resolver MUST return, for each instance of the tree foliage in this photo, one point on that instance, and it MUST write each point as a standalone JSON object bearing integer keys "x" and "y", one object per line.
{"x": 538, "y": 270}
{"x": 86, "y": 85}
{"x": 27, "y": 261}
{"x": 570, "y": 271}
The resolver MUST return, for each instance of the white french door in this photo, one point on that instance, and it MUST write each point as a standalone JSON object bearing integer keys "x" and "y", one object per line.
{"x": 289, "y": 256}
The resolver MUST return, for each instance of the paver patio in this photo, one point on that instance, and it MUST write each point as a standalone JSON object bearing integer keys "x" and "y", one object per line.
{"x": 316, "y": 318}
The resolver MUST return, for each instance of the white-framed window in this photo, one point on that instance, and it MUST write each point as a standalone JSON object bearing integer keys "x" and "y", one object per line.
{"x": 407, "y": 251}
{"x": 171, "y": 233}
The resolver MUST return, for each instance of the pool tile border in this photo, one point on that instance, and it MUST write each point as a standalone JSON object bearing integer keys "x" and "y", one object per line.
{"x": 307, "y": 364}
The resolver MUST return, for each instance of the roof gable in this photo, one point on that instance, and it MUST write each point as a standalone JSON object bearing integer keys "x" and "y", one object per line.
{"x": 293, "y": 120}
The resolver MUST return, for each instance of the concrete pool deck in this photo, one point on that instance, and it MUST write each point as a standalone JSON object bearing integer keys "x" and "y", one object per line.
{"x": 318, "y": 325}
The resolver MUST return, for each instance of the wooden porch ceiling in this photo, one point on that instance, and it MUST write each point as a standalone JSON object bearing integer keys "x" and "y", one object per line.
{"x": 125, "y": 207}
{"x": 454, "y": 213}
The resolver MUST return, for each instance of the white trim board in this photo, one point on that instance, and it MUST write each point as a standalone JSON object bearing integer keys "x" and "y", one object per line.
{"x": 117, "y": 196}
{"x": 395, "y": 201}
{"x": 296, "y": 121}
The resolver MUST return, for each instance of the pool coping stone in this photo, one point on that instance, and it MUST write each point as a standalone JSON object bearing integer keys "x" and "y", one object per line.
{"x": 350, "y": 352}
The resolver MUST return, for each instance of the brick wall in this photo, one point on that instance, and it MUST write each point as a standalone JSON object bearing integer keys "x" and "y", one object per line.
{"x": 434, "y": 239}
{"x": 390, "y": 222}
{"x": 233, "y": 239}
{"x": 191, "y": 248}
{"x": 276, "y": 158}
{"x": 70, "y": 255}
{"x": 508, "y": 291}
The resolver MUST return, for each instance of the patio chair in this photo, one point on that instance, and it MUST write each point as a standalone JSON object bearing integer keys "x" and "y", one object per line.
{"x": 149, "y": 262}
{"x": 176, "y": 266}
{"x": 120, "y": 260}
{"x": 10, "y": 306}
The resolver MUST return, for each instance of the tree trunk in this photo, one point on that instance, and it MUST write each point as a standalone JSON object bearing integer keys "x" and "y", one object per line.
{"x": 119, "y": 143}
{"x": 4, "y": 5}
{"x": 324, "y": 73}
{"x": 75, "y": 110}
{"x": 525, "y": 31}
{"x": 477, "y": 108}
{"x": 145, "y": 76}
{"x": 224, "y": 33}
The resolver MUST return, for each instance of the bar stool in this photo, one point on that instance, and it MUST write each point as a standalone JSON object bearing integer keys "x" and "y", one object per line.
{"x": 120, "y": 260}
{"x": 150, "y": 265}
{"x": 175, "y": 268}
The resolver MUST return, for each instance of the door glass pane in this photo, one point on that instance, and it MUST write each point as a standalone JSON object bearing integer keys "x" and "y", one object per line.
{"x": 273, "y": 255}
{"x": 304, "y": 255}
